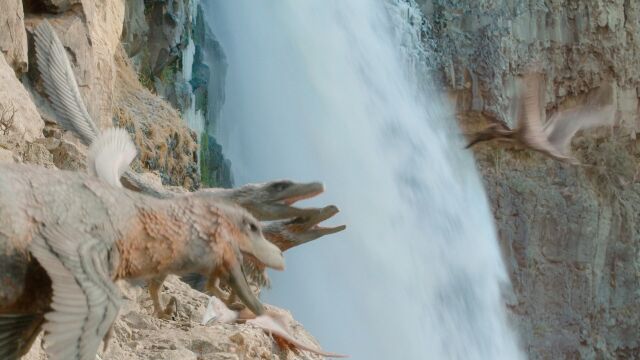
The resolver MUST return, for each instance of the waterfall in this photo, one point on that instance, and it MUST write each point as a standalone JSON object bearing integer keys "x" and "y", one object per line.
{"x": 334, "y": 90}
{"x": 194, "y": 118}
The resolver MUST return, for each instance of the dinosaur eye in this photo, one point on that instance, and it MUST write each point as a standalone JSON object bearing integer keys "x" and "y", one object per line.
{"x": 280, "y": 185}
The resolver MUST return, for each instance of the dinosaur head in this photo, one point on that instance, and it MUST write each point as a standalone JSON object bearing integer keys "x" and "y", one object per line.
{"x": 235, "y": 235}
{"x": 251, "y": 241}
{"x": 493, "y": 131}
{"x": 289, "y": 233}
{"x": 272, "y": 200}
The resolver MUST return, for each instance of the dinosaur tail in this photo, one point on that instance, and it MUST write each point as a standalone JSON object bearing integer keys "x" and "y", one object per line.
{"x": 110, "y": 155}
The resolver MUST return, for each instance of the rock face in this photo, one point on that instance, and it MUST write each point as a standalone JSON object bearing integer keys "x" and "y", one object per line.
{"x": 18, "y": 115}
{"x": 13, "y": 37}
{"x": 164, "y": 142}
{"x": 91, "y": 35}
{"x": 570, "y": 235}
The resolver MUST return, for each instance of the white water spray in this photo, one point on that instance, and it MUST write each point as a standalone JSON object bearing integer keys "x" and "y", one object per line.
{"x": 194, "y": 118}
{"x": 327, "y": 90}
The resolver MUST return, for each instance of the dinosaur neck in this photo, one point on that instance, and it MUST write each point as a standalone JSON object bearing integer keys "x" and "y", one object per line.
{"x": 156, "y": 244}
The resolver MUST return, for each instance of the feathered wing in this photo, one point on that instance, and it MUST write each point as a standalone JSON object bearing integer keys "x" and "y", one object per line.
{"x": 85, "y": 299}
{"x": 530, "y": 117}
{"x": 60, "y": 84}
{"x": 14, "y": 335}
{"x": 563, "y": 125}
{"x": 62, "y": 90}
{"x": 110, "y": 155}
{"x": 531, "y": 120}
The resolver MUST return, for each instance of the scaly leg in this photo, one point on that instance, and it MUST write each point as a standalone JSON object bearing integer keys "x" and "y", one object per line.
{"x": 155, "y": 286}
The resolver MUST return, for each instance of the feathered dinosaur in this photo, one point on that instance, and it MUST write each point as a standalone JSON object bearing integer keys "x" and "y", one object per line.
{"x": 284, "y": 234}
{"x": 553, "y": 137}
{"x": 267, "y": 201}
{"x": 84, "y": 234}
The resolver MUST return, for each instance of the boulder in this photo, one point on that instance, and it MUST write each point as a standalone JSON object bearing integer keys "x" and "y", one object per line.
{"x": 13, "y": 37}
{"x": 17, "y": 111}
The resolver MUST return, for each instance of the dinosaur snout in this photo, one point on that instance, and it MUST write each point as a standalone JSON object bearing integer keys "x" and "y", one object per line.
{"x": 269, "y": 254}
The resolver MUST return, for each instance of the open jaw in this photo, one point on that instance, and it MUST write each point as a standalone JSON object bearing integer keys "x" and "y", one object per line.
{"x": 279, "y": 198}
{"x": 311, "y": 221}
{"x": 290, "y": 233}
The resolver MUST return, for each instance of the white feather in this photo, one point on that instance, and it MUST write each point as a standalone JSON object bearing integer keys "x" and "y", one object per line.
{"x": 110, "y": 155}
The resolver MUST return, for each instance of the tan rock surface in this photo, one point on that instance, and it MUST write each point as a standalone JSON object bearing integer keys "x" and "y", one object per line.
{"x": 27, "y": 123}
{"x": 139, "y": 335}
{"x": 13, "y": 37}
{"x": 164, "y": 142}
{"x": 91, "y": 35}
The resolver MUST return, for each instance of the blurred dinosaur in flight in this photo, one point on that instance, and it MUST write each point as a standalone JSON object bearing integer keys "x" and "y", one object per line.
{"x": 553, "y": 137}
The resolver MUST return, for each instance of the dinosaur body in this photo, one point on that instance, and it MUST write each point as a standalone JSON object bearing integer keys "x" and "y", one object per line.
{"x": 142, "y": 237}
{"x": 266, "y": 201}
{"x": 550, "y": 137}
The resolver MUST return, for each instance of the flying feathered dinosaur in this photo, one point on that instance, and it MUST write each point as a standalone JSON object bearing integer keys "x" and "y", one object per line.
{"x": 551, "y": 137}
{"x": 267, "y": 201}
{"x": 84, "y": 234}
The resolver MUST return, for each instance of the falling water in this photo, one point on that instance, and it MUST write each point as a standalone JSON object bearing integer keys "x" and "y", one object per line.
{"x": 194, "y": 118}
{"x": 330, "y": 90}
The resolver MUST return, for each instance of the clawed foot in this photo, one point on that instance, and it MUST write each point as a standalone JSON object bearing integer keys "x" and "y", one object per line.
{"x": 170, "y": 311}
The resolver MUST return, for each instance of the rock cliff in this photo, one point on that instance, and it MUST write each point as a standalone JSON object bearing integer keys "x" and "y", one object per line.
{"x": 570, "y": 235}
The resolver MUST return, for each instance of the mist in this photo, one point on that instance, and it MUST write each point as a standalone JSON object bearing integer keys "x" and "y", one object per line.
{"x": 335, "y": 91}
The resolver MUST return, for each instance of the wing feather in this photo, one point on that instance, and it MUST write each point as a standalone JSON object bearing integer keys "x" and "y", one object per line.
{"x": 564, "y": 125}
{"x": 110, "y": 155}
{"x": 60, "y": 84}
{"x": 530, "y": 121}
{"x": 13, "y": 332}
{"x": 85, "y": 301}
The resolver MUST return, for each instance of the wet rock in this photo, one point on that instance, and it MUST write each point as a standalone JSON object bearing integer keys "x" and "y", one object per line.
{"x": 215, "y": 168}
{"x": 565, "y": 231}
{"x": 135, "y": 29}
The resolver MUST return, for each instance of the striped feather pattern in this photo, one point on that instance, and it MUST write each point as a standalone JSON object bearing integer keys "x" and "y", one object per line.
{"x": 110, "y": 155}
{"x": 60, "y": 84}
{"x": 85, "y": 299}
